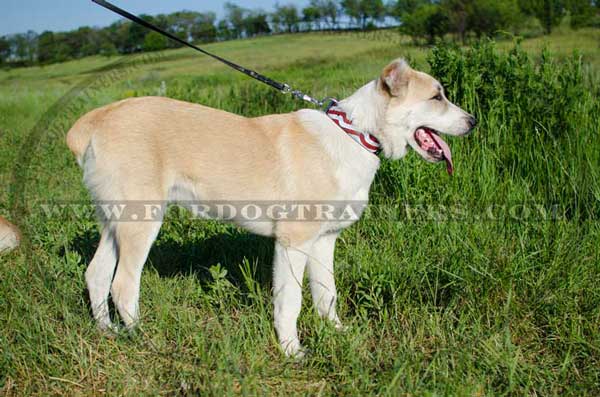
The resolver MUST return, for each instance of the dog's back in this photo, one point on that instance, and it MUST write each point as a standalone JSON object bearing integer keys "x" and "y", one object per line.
{"x": 153, "y": 144}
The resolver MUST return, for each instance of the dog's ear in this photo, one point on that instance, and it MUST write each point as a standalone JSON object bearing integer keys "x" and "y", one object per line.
{"x": 395, "y": 77}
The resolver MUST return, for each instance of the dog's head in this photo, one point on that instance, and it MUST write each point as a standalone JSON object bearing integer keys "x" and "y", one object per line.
{"x": 417, "y": 113}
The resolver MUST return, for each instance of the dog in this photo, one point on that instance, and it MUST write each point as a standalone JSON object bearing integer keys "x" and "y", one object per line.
{"x": 164, "y": 150}
{"x": 10, "y": 236}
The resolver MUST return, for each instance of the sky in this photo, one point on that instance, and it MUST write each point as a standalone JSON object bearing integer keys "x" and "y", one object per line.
{"x": 19, "y": 16}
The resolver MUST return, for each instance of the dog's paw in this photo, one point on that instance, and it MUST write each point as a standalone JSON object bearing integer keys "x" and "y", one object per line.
{"x": 108, "y": 329}
{"x": 293, "y": 349}
{"x": 341, "y": 327}
{"x": 300, "y": 355}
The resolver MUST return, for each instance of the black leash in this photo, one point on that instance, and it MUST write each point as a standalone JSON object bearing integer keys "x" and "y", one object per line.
{"x": 284, "y": 88}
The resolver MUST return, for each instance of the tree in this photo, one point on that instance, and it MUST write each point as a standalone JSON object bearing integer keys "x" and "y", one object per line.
{"x": 428, "y": 21}
{"x": 400, "y": 8}
{"x": 60, "y": 50}
{"x": 312, "y": 17}
{"x": 23, "y": 47}
{"x": 182, "y": 23}
{"x": 361, "y": 11}
{"x": 287, "y": 16}
{"x": 582, "y": 12}
{"x": 224, "y": 31}
{"x": 256, "y": 24}
{"x": 204, "y": 29}
{"x": 458, "y": 13}
{"x": 549, "y": 12}
{"x": 4, "y": 50}
{"x": 373, "y": 10}
{"x": 489, "y": 16}
{"x": 352, "y": 9}
{"x": 329, "y": 11}
{"x": 162, "y": 21}
{"x": 129, "y": 37}
{"x": 276, "y": 23}
{"x": 235, "y": 15}
{"x": 154, "y": 42}
{"x": 116, "y": 34}
{"x": 46, "y": 43}
{"x": 90, "y": 40}
{"x": 107, "y": 49}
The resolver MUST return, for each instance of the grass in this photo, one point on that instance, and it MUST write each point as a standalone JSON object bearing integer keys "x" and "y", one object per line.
{"x": 507, "y": 307}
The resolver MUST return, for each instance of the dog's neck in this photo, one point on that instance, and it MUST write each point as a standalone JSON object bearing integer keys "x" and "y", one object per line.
{"x": 366, "y": 108}
{"x": 368, "y": 141}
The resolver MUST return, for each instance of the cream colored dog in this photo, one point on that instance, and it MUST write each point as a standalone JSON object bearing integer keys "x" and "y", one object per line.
{"x": 158, "y": 149}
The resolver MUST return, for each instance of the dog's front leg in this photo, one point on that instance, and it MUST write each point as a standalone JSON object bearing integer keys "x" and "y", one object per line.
{"x": 288, "y": 268}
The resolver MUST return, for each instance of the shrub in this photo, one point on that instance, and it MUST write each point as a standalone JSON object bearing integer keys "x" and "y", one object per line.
{"x": 537, "y": 117}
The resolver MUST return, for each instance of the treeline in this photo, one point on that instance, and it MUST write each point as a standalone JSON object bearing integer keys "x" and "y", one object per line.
{"x": 425, "y": 20}
{"x": 124, "y": 37}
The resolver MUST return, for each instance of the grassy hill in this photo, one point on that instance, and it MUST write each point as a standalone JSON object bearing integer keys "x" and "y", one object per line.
{"x": 477, "y": 307}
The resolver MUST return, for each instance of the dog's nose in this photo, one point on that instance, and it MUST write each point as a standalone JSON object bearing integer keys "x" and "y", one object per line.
{"x": 472, "y": 122}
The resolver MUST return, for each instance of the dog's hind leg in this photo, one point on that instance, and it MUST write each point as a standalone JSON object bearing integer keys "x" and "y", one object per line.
{"x": 135, "y": 240}
{"x": 99, "y": 275}
{"x": 320, "y": 275}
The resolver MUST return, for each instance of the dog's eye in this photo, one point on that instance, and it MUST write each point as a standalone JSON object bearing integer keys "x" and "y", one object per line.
{"x": 438, "y": 97}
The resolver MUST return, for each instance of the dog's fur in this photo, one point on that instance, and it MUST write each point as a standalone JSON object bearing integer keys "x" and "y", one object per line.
{"x": 166, "y": 150}
{"x": 10, "y": 236}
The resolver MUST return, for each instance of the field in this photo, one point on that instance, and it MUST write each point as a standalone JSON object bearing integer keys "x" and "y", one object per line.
{"x": 493, "y": 303}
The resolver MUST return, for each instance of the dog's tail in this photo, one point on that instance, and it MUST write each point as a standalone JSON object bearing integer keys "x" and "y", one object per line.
{"x": 79, "y": 137}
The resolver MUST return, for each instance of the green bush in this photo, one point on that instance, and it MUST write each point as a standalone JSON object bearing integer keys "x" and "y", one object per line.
{"x": 537, "y": 115}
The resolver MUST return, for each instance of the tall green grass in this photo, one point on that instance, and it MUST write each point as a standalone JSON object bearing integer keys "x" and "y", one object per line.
{"x": 453, "y": 307}
{"x": 541, "y": 119}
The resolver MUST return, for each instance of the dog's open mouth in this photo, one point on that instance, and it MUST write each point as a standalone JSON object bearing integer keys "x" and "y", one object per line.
{"x": 430, "y": 142}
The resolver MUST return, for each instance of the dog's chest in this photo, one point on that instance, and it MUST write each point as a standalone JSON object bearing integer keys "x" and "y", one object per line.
{"x": 353, "y": 196}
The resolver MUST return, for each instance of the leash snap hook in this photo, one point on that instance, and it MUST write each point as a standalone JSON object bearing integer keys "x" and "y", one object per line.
{"x": 286, "y": 89}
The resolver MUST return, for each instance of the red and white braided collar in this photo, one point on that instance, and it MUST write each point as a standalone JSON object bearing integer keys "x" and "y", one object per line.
{"x": 364, "y": 139}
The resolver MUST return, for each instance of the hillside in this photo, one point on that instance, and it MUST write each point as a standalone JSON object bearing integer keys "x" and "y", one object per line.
{"x": 487, "y": 305}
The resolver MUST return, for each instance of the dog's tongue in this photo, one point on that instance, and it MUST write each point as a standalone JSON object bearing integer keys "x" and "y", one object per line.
{"x": 446, "y": 150}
